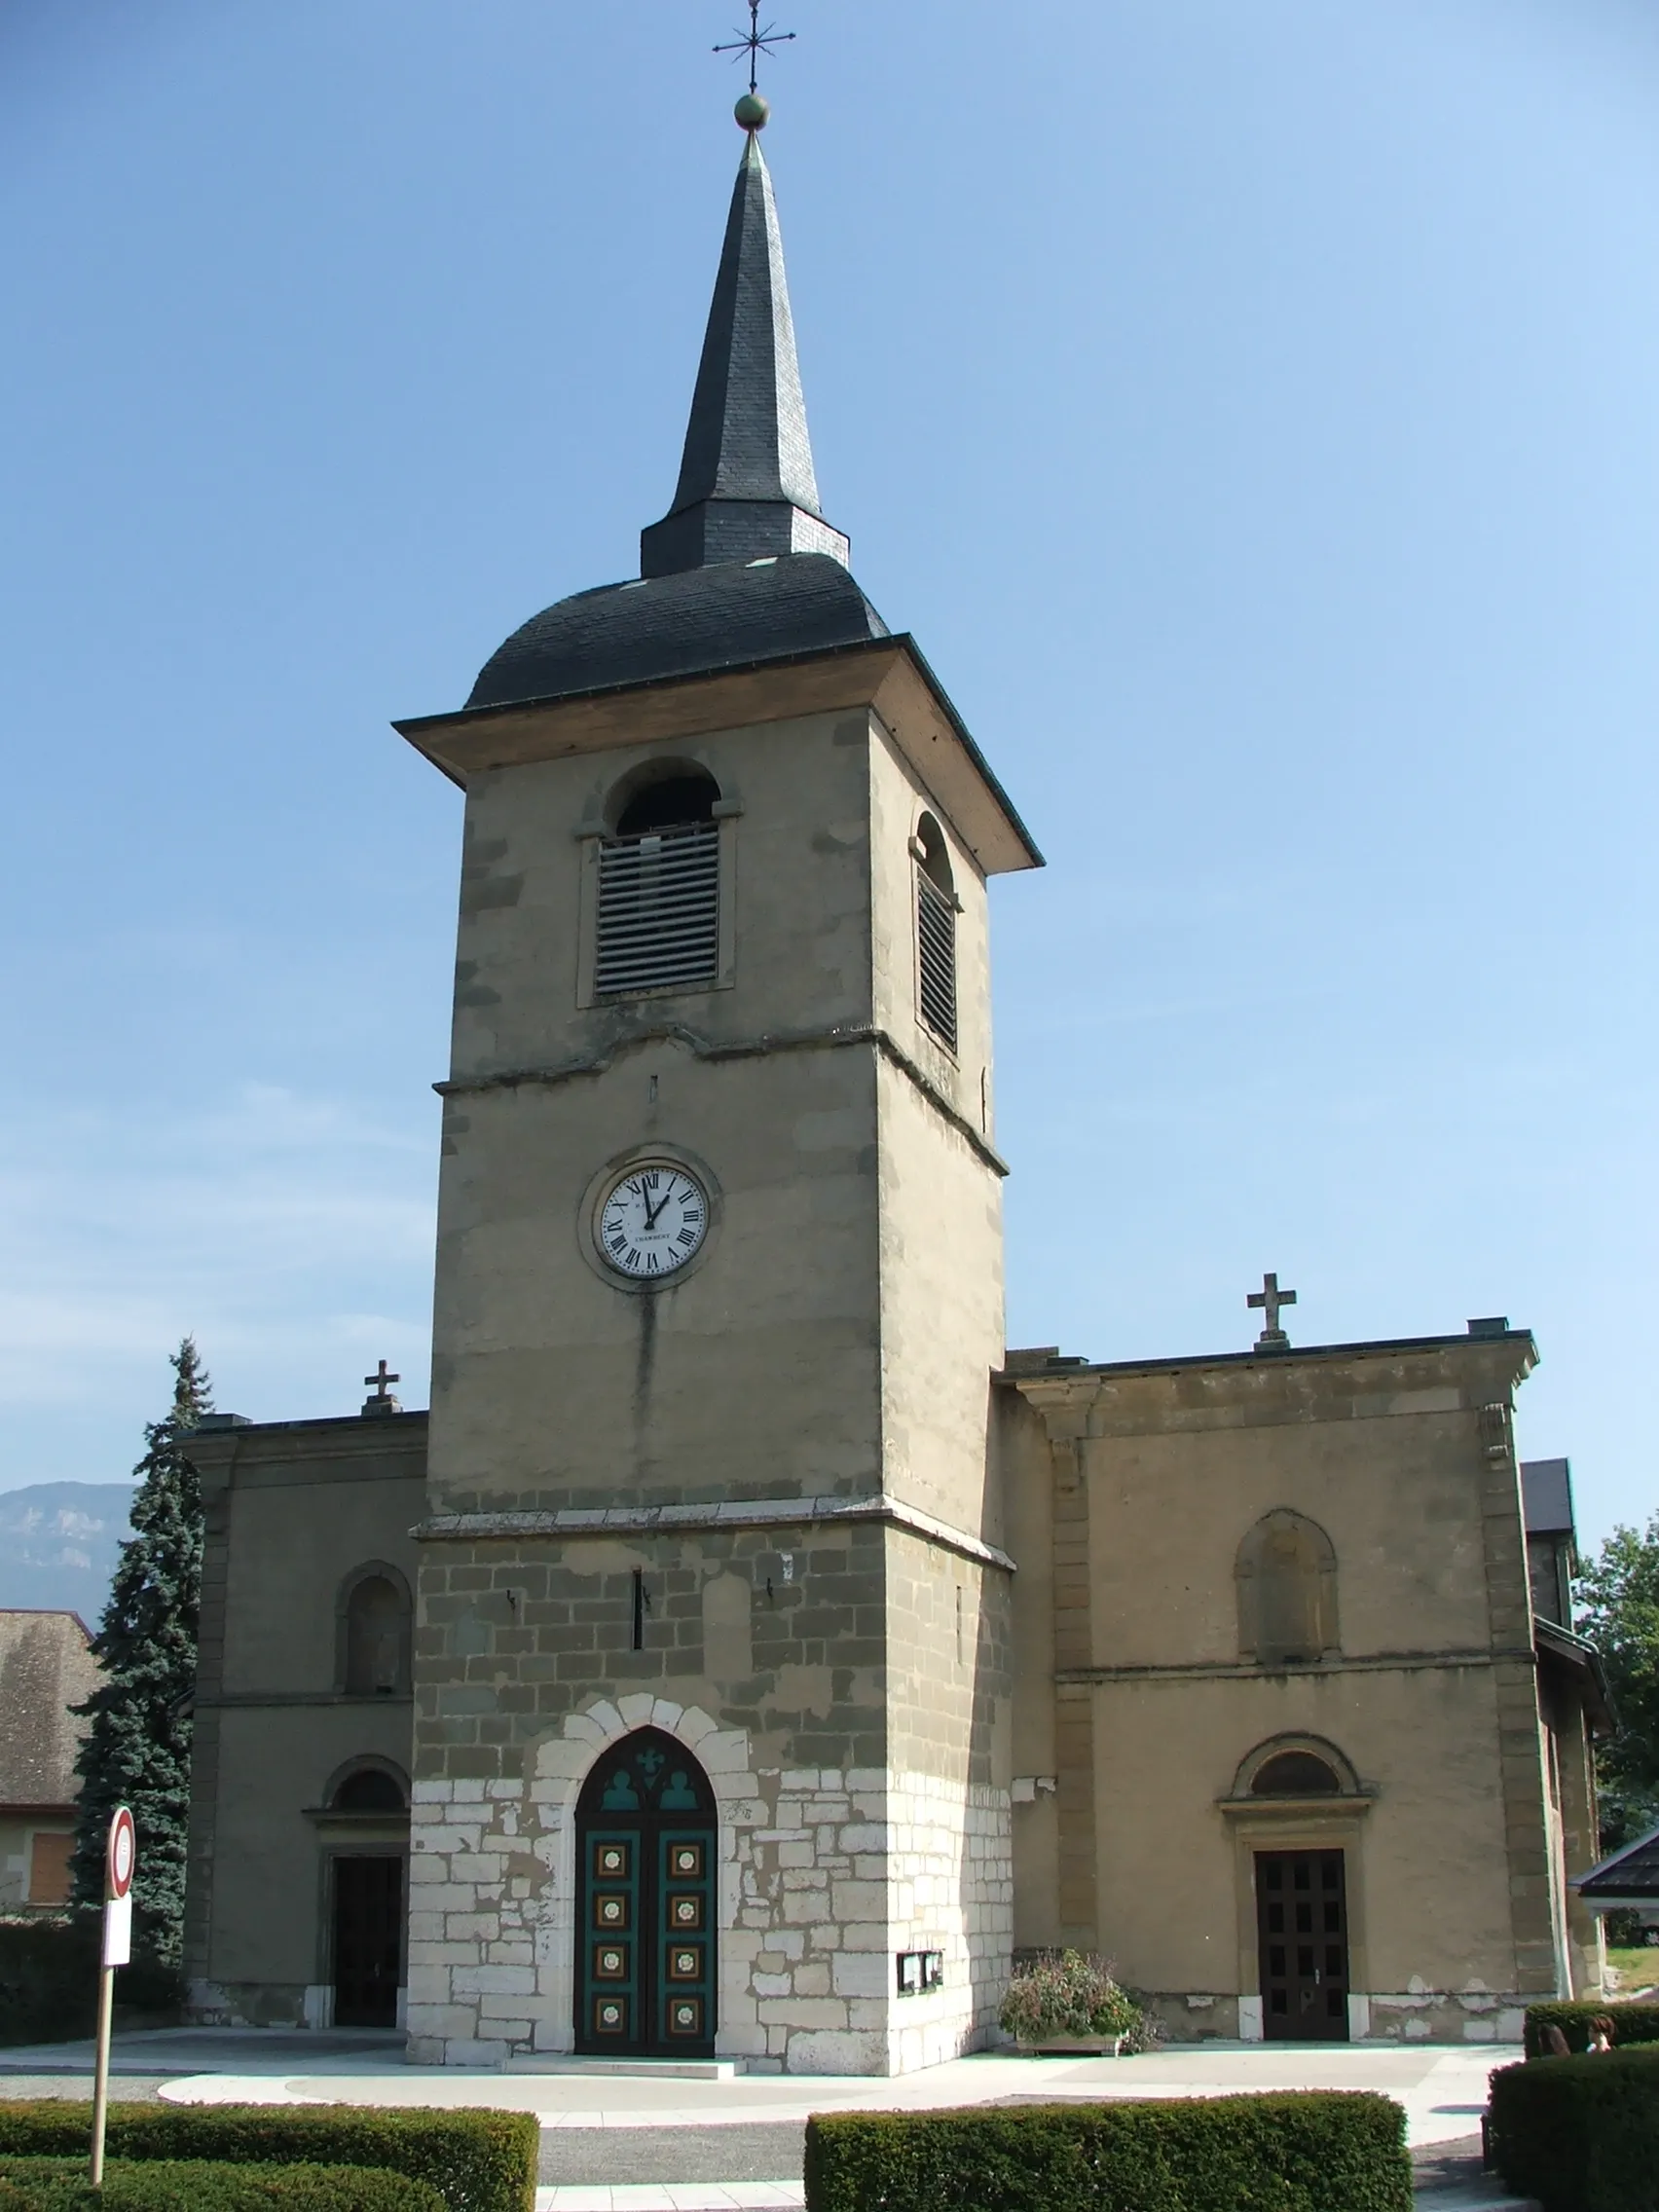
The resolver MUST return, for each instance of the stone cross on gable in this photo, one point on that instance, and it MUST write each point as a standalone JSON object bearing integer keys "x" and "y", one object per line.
{"x": 1269, "y": 1300}
{"x": 382, "y": 1401}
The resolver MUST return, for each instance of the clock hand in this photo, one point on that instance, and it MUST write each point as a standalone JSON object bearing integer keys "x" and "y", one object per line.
{"x": 650, "y": 1217}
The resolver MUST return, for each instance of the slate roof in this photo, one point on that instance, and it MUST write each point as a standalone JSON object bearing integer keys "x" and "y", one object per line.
{"x": 747, "y": 484}
{"x": 698, "y": 620}
{"x": 743, "y": 567}
{"x": 1631, "y": 1873}
{"x": 46, "y": 1666}
{"x": 1546, "y": 1494}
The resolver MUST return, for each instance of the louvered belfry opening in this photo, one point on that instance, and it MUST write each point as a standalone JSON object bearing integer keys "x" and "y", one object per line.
{"x": 936, "y": 933}
{"x": 659, "y": 891}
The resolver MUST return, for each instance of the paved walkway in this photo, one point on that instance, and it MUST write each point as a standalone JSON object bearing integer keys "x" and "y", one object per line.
{"x": 717, "y": 2146}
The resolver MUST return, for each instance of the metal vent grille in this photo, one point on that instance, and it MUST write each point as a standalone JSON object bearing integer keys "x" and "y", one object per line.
{"x": 659, "y": 900}
{"x": 935, "y": 935}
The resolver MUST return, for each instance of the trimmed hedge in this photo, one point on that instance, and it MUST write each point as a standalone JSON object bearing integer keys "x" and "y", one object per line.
{"x": 477, "y": 2162}
{"x": 1581, "y": 2134}
{"x": 1320, "y": 2150}
{"x": 183, "y": 2185}
{"x": 1632, "y": 2023}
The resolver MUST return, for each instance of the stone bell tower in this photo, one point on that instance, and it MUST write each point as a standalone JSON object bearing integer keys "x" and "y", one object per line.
{"x": 712, "y": 1685}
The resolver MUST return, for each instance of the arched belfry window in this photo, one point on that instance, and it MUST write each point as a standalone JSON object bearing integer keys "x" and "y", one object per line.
{"x": 1286, "y": 1579}
{"x": 936, "y": 930}
{"x": 374, "y": 1633}
{"x": 657, "y": 912}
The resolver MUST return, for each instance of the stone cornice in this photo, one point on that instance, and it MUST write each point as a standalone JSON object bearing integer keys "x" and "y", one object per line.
{"x": 1247, "y": 1670}
{"x": 300, "y": 1450}
{"x": 1410, "y": 1376}
{"x": 578, "y": 1521}
{"x": 736, "y": 1048}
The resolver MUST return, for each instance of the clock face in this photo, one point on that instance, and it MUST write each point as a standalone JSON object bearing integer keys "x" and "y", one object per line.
{"x": 652, "y": 1221}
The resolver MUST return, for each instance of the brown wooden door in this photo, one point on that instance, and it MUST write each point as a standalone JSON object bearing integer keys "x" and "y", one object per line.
{"x": 1302, "y": 1923}
{"x": 368, "y": 1941}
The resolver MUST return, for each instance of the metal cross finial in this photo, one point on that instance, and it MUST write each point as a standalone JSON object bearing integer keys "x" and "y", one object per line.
{"x": 754, "y": 42}
{"x": 1269, "y": 1299}
{"x": 383, "y": 1380}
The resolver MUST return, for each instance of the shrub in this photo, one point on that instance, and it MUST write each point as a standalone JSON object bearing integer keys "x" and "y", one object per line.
{"x": 1318, "y": 2152}
{"x": 165, "y": 2185}
{"x": 477, "y": 2162}
{"x": 1582, "y": 2134}
{"x": 1071, "y": 1994}
{"x": 1632, "y": 2023}
{"x": 48, "y": 1982}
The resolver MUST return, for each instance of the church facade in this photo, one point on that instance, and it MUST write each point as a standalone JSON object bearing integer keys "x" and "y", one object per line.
{"x": 748, "y": 1655}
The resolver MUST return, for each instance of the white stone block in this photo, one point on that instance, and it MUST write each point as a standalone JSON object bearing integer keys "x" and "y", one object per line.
{"x": 803, "y": 2011}
{"x": 636, "y": 1709}
{"x": 862, "y": 1974}
{"x": 726, "y": 1752}
{"x": 465, "y": 2052}
{"x": 827, "y": 2051}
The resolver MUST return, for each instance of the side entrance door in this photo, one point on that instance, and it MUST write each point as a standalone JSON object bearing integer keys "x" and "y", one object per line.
{"x": 368, "y": 1939}
{"x": 645, "y": 1906}
{"x": 1302, "y": 1927}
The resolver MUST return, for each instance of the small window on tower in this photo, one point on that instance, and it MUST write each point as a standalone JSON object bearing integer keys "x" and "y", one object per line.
{"x": 659, "y": 914}
{"x": 935, "y": 932}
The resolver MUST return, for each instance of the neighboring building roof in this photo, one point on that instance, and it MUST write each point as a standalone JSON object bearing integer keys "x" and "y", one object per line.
{"x": 1579, "y": 1653}
{"x": 735, "y": 615}
{"x": 46, "y": 1666}
{"x": 1629, "y": 1875}
{"x": 1546, "y": 1493}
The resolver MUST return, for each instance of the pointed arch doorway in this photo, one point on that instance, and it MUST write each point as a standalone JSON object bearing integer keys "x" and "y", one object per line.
{"x": 645, "y": 1935}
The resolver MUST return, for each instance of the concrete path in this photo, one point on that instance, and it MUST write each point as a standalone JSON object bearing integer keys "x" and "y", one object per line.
{"x": 647, "y": 2143}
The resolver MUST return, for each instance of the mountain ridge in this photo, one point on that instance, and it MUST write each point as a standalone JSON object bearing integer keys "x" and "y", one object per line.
{"x": 58, "y": 1546}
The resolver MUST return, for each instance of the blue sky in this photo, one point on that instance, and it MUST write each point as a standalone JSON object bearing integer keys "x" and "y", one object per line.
{"x": 1251, "y": 412}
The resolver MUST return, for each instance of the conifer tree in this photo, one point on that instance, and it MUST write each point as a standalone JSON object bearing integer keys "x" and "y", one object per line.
{"x": 137, "y": 1749}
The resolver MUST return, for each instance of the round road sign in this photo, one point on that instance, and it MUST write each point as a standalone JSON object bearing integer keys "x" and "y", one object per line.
{"x": 123, "y": 1852}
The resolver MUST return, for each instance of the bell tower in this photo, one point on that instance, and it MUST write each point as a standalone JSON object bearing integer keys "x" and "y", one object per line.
{"x": 710, "y": 1669}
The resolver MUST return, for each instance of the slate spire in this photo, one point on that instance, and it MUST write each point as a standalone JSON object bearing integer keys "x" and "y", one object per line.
{"x": 746, "y": 489}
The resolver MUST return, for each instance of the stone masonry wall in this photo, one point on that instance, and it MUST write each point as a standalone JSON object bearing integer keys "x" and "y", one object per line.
{"x": 764, "y": 1651}
{"x": 823, "y": 1875}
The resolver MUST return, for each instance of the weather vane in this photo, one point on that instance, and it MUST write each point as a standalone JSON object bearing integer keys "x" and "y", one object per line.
{"x": 754, "y": 42}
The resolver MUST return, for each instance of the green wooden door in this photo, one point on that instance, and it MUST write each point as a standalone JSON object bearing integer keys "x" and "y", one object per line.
{"x": 645, "y": 1906}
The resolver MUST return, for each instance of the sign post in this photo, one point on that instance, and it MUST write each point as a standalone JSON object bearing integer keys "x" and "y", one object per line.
{"x": 121, "y": 1858}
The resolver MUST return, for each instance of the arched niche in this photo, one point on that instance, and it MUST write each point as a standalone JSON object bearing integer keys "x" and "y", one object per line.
{"x": 1285, "y": 1574}
{"x": 373, "y": 1616}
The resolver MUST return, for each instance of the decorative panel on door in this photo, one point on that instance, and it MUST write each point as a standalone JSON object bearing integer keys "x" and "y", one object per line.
{"x": 1302, "y": 1928}
{"x": 645, "y": 1906}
